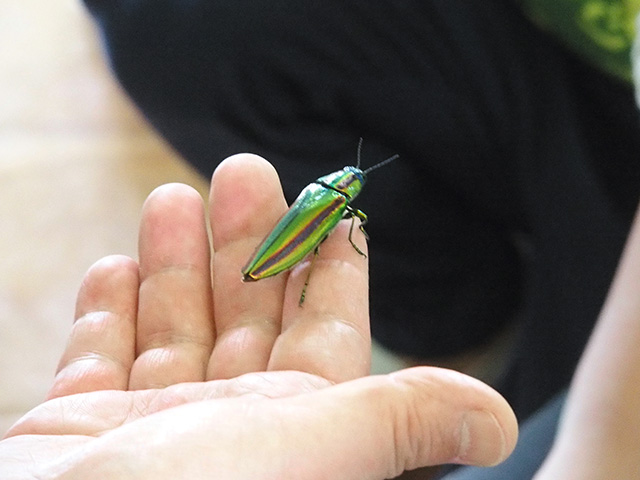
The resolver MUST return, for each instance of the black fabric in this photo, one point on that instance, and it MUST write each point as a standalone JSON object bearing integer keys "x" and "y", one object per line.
{"x": 519, "y": 165}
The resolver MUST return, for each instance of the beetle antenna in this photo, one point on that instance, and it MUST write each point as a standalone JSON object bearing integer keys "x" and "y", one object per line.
{"x": 359, "y": 154}
{"x": 381, "y": 164}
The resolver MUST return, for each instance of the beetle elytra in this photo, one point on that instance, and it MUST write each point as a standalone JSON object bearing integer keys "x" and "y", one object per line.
{"x": 309, "y": 221}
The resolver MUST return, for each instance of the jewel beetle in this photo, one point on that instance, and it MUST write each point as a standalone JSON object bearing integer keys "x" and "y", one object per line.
{"x": 309, "y": 221}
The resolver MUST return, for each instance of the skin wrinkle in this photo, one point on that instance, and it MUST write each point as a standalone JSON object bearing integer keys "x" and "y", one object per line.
{"x": 92, "y": 358}
{"x": 166, "y": 339}
{"x": 184, "y": 267}
{"x": 121, "y": 268}
{"x": 412, "y": 431}
{"x": 244, "y": 386}
{"x": 132, "y": 406}
{"x": 161, "y": 357}
{"x": 143, "y": 407}
{"x": 86, "y": 406}
{"x": 398, "y": 434}
{"x": 239, "y": 387}
{"x": 322, "y": 265}
{"x": 321, "y": 350}
{"x": 325, "y": 316}
{"x": 331, "y": 265}
{"x": 251, "y": 320}
{"x": 142, "y": 403}
{"x": 137, "y": 407}
{"x": 311, "y": 382}
{"x": 105, "y": 317}
{"x": 326, "y": 319}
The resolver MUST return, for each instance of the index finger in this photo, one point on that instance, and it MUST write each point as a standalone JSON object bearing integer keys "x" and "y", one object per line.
{"x": 329, "y": 334}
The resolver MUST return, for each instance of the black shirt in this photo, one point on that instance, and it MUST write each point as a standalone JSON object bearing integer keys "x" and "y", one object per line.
{"x": 519, "y": 168}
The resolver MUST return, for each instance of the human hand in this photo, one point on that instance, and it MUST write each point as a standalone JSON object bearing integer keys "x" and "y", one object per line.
{"x": 169, "y": 374}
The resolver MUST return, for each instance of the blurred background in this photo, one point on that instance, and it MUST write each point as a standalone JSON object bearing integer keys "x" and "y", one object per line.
{"x": 76, "y": 163}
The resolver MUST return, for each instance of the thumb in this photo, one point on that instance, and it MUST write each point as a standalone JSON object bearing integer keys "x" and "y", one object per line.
{"x": 367, "y": 429}
{"x": 378, "y": 427}
{"x": 370, "y": 428}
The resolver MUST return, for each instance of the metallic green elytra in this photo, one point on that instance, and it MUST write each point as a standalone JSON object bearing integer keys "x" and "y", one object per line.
{"x": 311, "y": 218}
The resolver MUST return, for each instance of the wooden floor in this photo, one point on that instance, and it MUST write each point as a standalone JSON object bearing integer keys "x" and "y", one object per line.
{"x": 76, "y": 163}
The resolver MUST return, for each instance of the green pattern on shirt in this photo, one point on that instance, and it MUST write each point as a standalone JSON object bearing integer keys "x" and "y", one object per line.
{"x": 601, "y": 31}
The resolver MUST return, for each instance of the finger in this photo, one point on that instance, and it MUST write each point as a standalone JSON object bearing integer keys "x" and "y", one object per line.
{"x": 101, "y": 346}
{"x": 246, "y": 202}
{"x": 175, "y": 327}
{"x": 329, "y": 335}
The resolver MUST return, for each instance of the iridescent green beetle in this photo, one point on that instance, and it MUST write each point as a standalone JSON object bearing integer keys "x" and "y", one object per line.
{"x": 309, "y": 221}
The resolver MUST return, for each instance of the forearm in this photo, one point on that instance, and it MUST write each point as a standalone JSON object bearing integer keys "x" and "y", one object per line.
{"x": 601, "y": 421}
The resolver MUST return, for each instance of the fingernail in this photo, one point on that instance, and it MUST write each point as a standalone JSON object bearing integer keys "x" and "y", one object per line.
{"x": 482, "y": 440}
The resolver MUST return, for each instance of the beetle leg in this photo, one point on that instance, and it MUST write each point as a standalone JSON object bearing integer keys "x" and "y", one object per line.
{"x": 353, "y": 213}
{"x": 363, "y": 221}
{"x": 306, "y": 282}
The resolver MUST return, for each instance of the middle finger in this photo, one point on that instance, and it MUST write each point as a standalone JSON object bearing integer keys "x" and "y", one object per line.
{"x": 246, "y": 202}
{"x": 175, "y": 328}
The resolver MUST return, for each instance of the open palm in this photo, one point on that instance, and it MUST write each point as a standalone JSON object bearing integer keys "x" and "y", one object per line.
{"x": 176, "y": 369}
